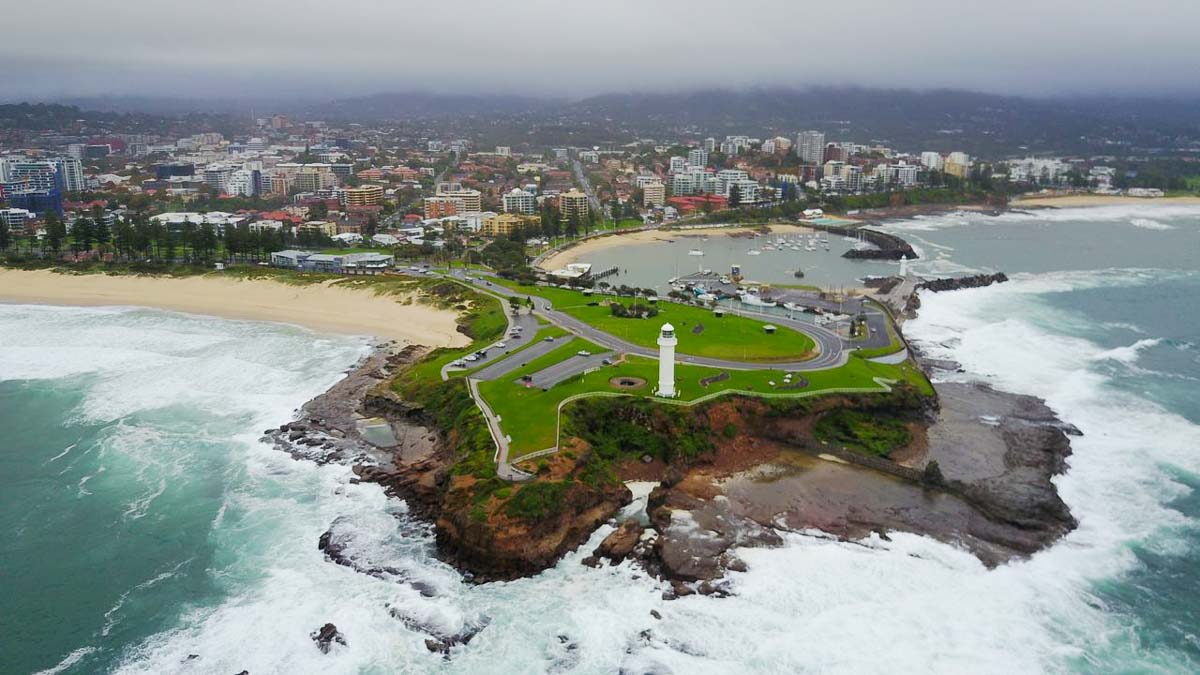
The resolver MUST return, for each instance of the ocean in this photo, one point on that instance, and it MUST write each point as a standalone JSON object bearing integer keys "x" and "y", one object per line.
{"x": 148, "y": 530}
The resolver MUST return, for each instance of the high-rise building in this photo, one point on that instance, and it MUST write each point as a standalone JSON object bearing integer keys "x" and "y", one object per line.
{"x": 810, "y": 147}
{"x": 710, "y": 144}
{"x": 678, "y": 164}
{"x": 520, "y": 201}
{"x": 573, "y": 203}
{"x": 835, "y": 152}
{"x": 654, "y": 195}
{"x": 958, "y": 164}
{"x": 698, "y": 157}
{"x": 71, "y": 170}
{"x": 217, "y": 176}
{"x": 932, "y": 160}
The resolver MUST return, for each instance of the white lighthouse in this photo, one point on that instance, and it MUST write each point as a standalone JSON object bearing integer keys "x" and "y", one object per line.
{"x": 666, "y": 361}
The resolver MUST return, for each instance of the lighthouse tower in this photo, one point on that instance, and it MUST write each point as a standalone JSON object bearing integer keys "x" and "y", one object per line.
{"x": 666, "y": 361}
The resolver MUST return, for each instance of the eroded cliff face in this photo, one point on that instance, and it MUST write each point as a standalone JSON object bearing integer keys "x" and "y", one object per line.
{"x": 483, "y": 539}
{"x": 731, "y": 473}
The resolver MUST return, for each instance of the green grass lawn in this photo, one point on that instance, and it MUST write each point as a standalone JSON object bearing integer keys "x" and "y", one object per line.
{"x": 530, "y": 415}
{"x": 730, "y": 337}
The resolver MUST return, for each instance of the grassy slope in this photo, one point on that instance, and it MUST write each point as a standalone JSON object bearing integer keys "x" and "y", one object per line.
{"x": 530, "y": 416}
{"x": 731, "y": 337}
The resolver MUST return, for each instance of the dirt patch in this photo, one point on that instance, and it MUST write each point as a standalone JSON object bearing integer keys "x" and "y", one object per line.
{"x": 627, "y": 383}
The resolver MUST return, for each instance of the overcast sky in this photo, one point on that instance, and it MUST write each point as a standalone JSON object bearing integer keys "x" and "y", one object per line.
{"x": 244, "y": 48}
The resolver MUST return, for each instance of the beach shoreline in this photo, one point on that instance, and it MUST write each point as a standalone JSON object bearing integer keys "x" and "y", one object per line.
{"x": 1085, "y": 200}
{"x": 320, "y": 307}
{"x": 590, "y": 247}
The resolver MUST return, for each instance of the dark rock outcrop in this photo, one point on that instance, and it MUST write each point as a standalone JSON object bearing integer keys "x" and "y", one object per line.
{"x": 957, "y": 283}
{"x": 618, "y": 545}
{"x": 326, "y": 637}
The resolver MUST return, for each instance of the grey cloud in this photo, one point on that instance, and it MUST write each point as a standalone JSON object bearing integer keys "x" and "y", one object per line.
{"x": 574, "y": 48}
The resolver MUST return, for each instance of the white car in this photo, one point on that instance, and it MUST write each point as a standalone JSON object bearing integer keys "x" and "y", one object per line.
{"x": 501, "y": 345}
{"x": 583, "y": 352}
{"x": 471, "y": 357}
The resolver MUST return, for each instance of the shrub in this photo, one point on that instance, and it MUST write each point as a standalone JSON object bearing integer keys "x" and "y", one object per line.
{"x": 536, "y": 500}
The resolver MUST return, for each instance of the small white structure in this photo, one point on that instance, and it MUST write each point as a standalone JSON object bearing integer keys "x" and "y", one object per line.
{"x": 666, "y": 361}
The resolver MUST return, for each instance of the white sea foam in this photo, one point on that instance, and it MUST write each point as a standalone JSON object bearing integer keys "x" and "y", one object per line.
{"x": 68, "y": 662}
{"x": 1147, "y": 215}
{"x": 813, "y": 604}
{"x": 1148, "y": 224}
{"x": 1127, "y": 354}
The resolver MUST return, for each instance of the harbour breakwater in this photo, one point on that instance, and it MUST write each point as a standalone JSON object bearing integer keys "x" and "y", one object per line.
{"x": 887, "y": 246}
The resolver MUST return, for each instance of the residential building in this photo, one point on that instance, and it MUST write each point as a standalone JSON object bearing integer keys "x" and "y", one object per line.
{"x": 573, "y": 203}
{"x": 678, "y": 164}
{"x": 810, "y": 147}
{"x": 15, "y": 219}
{"x": 71, "y": 170}
{"x": 698, "y": 158}
{"x": 958, "y": 164}
{"x": 932, "y": 160}
{"x": 504, "y": 224}
{"x": 218, "y": 219}
{"x": 520, "y": 201}
{"x": 441, "y": 207}
{"x": 836, "y": 152}
{"x": 654, "y": 195}
{"x": 365, "y": 195}
{"x": 727, "y": 177}
{"x": 471, "y": 200}
{"x": 217, "y": 176}
{"x": 710, "y": 144}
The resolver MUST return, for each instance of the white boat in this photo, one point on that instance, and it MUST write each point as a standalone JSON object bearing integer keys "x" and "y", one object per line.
{"x": 754, "y": 251}
{"x": 695, "y": 251}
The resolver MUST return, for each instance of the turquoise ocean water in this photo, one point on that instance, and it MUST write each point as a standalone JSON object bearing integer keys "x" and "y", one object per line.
{"x": 146, "y": 529}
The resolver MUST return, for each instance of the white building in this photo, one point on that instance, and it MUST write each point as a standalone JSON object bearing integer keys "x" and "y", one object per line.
{"x": 679, "y": 164}
{"x": 666, "y": 361}
{"x": 727, "y": 177}
{"x": 810, "y": 147}
{"x": 932, "y": 160}
{"x": 697, "y": 158}
{"x": 520, "y": 201}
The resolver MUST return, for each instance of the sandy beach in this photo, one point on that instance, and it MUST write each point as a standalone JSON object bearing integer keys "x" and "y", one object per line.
{"x": 1081, "y": 200}
{"x": 592, "y": 246}
{"x": 319, "y": 307}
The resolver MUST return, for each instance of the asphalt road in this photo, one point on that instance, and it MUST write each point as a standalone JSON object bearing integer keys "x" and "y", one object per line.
{"x": 565, "y": 370}
{"x": 515, "y": 361}
{"x": 829, "y": 345}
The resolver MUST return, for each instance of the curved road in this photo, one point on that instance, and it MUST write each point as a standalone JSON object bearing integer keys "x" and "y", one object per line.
{"x": 830, "y": 352}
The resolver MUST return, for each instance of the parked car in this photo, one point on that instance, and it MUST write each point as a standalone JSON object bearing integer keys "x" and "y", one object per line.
{"x": 583, "y": 352}
{"x": 471, "y": 357}
{"x": 548, "y": 338}
{"x": 501, "y": 345}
